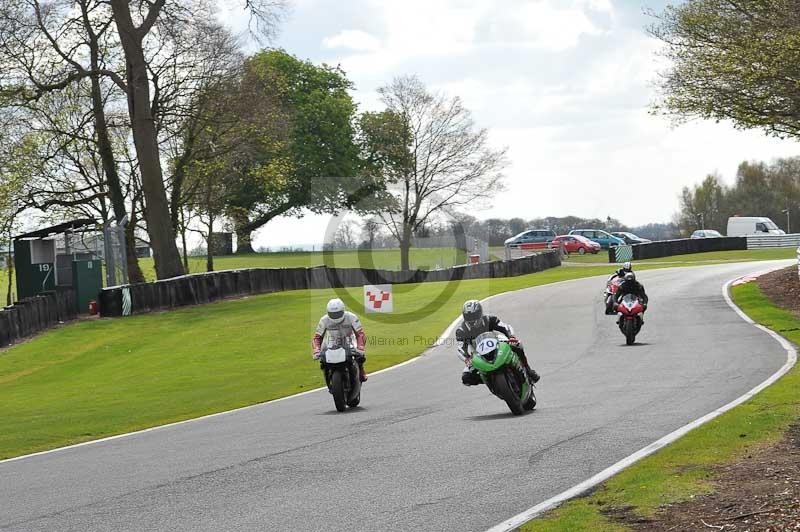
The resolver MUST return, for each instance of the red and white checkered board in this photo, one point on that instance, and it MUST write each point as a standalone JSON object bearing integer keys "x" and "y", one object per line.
{"x": 378, "y": 298}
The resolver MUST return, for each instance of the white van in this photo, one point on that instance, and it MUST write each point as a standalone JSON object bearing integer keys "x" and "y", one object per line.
{"x": 752, "y": 225}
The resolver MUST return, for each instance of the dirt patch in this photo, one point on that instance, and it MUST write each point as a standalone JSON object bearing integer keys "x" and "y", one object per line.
{"x": 782, "y": 287}
{"x": 761, "y": 492}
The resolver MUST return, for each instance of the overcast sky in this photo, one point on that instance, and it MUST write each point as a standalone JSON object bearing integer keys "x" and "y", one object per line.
{"x": 565, "y": 84}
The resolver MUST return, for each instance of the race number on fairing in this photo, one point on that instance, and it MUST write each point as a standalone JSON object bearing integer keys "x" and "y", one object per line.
{"x": 486, "y": 345}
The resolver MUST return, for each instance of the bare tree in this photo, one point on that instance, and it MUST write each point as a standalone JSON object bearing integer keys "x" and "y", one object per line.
{"x": 370, "y": 231}
{"x": 345, "y": 235}
{"x": 438, "y": 162}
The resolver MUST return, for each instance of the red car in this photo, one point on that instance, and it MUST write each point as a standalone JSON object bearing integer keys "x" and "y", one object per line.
{"x": 576, "y": 243}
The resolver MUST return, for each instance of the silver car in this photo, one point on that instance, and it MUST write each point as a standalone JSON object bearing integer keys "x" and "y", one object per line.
{"x": 706, "y": 233}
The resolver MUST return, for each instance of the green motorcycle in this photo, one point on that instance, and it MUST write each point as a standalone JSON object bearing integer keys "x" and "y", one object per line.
{"x": 502, "y": 372}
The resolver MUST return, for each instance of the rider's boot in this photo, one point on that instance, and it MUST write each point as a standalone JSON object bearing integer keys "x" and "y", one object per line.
{"x": 534, "y": 377}
{"x": 362, "y": 373}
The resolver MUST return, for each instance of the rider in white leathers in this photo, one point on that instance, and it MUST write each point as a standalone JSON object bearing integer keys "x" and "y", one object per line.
{"x": 341, "y": 326}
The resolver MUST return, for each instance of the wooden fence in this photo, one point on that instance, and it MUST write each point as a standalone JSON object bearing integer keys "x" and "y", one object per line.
{"x": 35, "y": 314}
{"x": 202, "y": 288}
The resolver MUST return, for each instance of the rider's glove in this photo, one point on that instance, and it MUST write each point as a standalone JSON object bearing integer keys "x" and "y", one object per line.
{"x": 513, "y": 340}
{"x": 315, "y": 355}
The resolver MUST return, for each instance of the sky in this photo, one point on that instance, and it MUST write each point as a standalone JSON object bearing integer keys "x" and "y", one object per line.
{"x": 566, "y": 85}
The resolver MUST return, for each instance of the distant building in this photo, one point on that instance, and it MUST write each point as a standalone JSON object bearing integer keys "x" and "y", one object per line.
{"x": 221, "y": 244}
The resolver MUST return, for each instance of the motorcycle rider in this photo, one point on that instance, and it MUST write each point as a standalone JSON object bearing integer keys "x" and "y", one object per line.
{"x": 473, "y": 325}
{"x": 340, "y": 324}
{"x": 631, "y": 286}
{"x": 627, "y": 267}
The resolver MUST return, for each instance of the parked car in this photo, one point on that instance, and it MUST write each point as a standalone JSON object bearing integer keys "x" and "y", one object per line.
{"x": 531, "y": 239}
{"x": 630, "y": 238}
{"x": 606, "y": 240}
{"x": 706, "y": 233}
{"x": 752, "y": 225}
{"x": 576, "y": 244}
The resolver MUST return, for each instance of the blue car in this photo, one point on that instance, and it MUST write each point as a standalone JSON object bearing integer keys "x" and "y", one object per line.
{"x": 606, "y": 240}
{"x": 531, "y": 239}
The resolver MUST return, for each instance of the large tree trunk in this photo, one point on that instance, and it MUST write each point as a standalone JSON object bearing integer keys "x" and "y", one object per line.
{"x": 244, "y": 234}
{"x": 10, "y": 261}
{"x": 183, "y": 241}
{"x": 244, "y": 243}
{"x": 135, "y": 274}
{"x": 210, "y": 246}
{"x": 405, "y": 249}
{"x": 159, "y": 223}
{"x": 106, "y": 151}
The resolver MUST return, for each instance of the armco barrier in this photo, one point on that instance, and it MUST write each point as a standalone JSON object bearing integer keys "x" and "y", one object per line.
{"x": 32, "y": 315}
{"x": 202, "y": 288}
{"x": 683, "y": 246}
{"x": 773, "y": 241}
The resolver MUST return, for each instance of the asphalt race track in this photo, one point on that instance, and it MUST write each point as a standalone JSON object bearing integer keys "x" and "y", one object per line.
{"x": 424, "y": 452}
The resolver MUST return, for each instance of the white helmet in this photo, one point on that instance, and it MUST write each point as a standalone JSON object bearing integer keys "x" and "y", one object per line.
{"x": 336, "y": 310}
{"x": 627, "y": 267}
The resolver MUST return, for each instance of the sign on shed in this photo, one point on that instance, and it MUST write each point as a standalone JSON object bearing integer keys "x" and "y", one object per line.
{"x": 378, "y": 298}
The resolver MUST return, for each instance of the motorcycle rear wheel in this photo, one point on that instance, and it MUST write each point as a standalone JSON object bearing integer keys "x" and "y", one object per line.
{"x": 337, "y": 390}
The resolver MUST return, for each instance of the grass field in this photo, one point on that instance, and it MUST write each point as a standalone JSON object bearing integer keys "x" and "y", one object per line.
{"x": 387, "y": 259}
{"x": 683, "y": 469}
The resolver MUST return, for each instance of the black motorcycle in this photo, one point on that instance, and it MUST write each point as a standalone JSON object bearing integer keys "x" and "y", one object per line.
{"x": 338, "y": 363}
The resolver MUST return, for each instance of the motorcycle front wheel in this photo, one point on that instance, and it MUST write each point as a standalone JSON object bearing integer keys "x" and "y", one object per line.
{"x": 505, "y": 390}
{"x": 337, "y": 390}
{"x": 630, "y": 332}
{"x": 354, "y": 401}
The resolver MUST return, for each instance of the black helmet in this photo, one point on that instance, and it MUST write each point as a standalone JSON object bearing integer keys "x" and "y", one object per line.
{"x": 472, "y": 312}
{"x": 630, "y": 276}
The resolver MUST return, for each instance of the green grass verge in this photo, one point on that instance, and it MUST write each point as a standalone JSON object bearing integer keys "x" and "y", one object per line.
{"x": 685, "y": 468}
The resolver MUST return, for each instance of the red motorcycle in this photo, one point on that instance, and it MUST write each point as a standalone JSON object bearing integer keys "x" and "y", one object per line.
{"x": 610, "y": 293}
{"x": 630, "y": 322}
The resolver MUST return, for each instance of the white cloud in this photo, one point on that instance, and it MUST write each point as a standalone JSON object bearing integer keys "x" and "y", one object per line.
{"x": 352, "y": 40}
{"x": 542, "y": 25}
{"x": 564, "y": 83}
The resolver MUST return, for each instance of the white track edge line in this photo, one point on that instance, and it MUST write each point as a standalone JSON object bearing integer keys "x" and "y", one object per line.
{"x": 791, "y": 358}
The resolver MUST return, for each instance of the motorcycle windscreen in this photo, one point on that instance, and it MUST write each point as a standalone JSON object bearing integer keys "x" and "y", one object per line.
{"x": 335, "y": 356}
{"x": 488, "y": 342}
{"x": 630, "y": 300}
